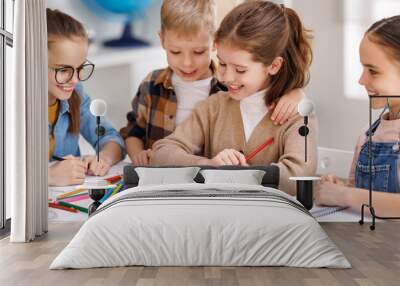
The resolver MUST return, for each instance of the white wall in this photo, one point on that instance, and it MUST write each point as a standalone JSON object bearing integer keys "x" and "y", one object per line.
{"x": 342, "y": 115}
{"x": 340, "y": 119}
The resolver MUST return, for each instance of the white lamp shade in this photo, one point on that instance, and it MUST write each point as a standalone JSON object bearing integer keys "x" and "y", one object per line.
{"x": 98, "y": 107}
{"x": 305, "y": 107}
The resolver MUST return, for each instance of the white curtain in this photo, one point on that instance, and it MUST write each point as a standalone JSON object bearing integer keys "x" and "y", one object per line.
{"x": 26, "y": 123}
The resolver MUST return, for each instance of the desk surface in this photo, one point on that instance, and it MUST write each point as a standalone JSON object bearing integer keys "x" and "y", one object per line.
{"x": 56, "y": 215}
{"x": 321, "y": 214}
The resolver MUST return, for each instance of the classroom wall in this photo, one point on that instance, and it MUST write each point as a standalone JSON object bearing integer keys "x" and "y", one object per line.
{"x": 338, "y": 26}
{"x": 341, "y": 119}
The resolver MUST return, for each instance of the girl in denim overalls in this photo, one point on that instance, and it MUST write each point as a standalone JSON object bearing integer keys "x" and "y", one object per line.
{"x": 68, "y": 109}
{"x": 380, "y": 57}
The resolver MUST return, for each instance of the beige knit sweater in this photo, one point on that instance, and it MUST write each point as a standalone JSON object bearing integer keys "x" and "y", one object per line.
{"x": 216, "y": 124}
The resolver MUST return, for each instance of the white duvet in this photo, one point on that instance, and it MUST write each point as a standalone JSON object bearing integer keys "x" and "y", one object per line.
{"x": 201, "y": 224}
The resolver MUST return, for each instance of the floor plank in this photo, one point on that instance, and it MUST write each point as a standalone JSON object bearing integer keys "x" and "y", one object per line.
{"x": 374, "y": 255}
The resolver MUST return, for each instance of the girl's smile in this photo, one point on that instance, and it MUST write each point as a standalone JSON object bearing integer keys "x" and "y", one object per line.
{"x": 65, "y": 52}
{"x": 239, "y": 72}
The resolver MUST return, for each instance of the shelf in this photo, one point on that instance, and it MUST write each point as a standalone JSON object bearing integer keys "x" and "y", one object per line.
{"x": 108, "y": 57}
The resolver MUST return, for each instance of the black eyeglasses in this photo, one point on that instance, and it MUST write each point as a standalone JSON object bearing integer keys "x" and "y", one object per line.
{"x": 65, "y": 73}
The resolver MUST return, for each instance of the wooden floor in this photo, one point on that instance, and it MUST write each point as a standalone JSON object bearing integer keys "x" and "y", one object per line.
{"x": 374, "y": 255}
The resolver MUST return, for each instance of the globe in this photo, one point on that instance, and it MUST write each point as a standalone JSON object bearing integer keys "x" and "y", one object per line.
{"x": 125, "y": 6}
{"x": 121, "y": 10}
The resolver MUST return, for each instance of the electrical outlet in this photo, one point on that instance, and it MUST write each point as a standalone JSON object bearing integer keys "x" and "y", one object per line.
{"x": 334, "y": 161}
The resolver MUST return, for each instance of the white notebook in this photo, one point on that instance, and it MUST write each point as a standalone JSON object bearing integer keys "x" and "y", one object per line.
{"x": 318, "y": 211}
{"x": 340, "y": 214}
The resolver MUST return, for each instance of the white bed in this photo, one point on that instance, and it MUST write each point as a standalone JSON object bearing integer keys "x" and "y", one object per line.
{"x": 201, "y": 224}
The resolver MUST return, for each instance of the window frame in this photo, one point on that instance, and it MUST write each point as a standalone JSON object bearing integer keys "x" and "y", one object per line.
{"x": 6, "y": 39}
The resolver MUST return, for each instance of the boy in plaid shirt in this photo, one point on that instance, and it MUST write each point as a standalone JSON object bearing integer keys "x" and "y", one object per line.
{"x": 167, "y": 97}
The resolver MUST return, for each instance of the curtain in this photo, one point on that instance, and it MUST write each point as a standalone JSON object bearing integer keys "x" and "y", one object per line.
{"x": 27, "y": 123}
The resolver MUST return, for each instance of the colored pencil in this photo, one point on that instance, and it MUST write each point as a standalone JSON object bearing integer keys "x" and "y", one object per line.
{"x": 74, "y": 192}
{"x": 73, "y": 196}
{"x": 106, "y": 196}
{"x": 122, "y": 187}
{"x": 76, "y": 198}
{"x": 262, "y": 146}
{"x": 113, "y": 179}
{"x": 69, "y": 205}
{"x": 64, "y": 208}
{"x": 116, "y": 189}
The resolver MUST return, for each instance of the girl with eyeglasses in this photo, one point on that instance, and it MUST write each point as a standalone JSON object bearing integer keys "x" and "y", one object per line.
{"x": 68, "y": 110}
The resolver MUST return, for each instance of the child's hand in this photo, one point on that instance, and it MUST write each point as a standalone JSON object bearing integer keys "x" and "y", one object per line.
{"x": 286, "y": 106}
{"x": 330, "y": 194}
{"x": 142, "y": 158}
{"x": 71, "y": 171}
{"x": 99, "y": 168}
{"x": 229, "y": 157}
{"x": 332, "y": 179}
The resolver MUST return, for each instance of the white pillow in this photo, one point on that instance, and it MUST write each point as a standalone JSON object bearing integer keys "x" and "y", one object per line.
{"x": 163, "y": 176}
{"x": 248, "y": 177}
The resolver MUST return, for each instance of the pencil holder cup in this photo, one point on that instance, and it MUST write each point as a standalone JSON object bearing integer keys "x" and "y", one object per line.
{"x": 304, "y": 190}
{"x": 96, "y": 195}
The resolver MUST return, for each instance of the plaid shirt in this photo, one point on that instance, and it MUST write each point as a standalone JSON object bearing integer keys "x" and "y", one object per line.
{"x": 153, "y": 114}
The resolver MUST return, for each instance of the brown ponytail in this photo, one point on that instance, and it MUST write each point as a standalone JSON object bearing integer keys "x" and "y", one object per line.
{"x": 267, "y": 30}
{"x": 386, "y": 33}
{"x": 61, "y": 25}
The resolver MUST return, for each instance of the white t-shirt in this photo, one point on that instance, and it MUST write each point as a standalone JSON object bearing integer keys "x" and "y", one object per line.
{"x": 188, "y": 94}
{"x": 253, "y": 110}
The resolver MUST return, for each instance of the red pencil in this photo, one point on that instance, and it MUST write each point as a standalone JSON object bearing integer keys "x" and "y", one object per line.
{"x": 57, "y": 206}
{"x": 255, "y": 152}
{"x": 114, "y": 179}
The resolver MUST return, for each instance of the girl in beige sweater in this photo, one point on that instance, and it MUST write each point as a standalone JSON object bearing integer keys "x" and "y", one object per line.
{"x": 263, "y": 52}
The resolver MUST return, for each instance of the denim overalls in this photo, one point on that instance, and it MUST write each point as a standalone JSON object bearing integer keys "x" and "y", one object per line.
{"x": 385, "y": 159}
